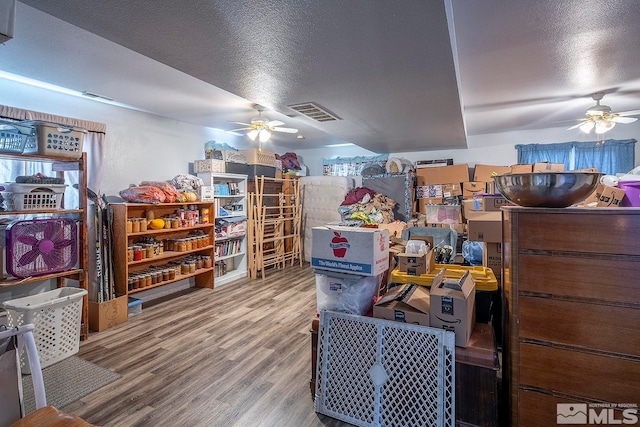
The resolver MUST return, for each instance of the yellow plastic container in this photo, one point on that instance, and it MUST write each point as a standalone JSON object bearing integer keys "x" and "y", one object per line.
{"x": 483, "y": 276}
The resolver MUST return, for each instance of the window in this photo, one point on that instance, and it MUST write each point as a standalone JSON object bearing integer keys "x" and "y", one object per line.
{"x": 351, "y": 166}
{"x": 608, "y": 156}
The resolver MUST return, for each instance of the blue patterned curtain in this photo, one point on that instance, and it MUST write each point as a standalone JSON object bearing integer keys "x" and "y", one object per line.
{"x": 552, "y": 153}
{"x": 610, "y": 156}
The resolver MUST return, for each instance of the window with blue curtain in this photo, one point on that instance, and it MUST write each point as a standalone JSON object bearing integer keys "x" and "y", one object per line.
{"x": 609, "y": 156}
{"x": 552, "y": 153}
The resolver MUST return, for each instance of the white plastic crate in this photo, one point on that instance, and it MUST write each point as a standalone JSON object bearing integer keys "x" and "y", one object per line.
{"x": 36, "y": 196}
{"x": 56, "y": 315}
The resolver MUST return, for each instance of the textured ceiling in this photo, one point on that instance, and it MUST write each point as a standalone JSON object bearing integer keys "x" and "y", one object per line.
{"x": 388, "y": 69}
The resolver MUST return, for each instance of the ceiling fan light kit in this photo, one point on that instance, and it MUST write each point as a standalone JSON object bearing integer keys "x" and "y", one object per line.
{"x": 261, "y": 128}
{"x": 600, "y": 117}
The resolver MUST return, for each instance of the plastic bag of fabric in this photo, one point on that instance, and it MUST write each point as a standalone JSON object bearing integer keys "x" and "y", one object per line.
{"x": 170, "y": 192}
{"x": 472, "y": 252}
{"x": 143, "y": 194}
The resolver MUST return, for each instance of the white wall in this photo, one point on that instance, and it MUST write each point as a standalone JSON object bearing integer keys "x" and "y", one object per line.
{"x": 138, "y": 146}
{"x": 492, "y": 149}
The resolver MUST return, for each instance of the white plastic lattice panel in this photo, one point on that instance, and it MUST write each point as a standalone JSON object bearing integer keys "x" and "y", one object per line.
{"x": 375, "y": 372}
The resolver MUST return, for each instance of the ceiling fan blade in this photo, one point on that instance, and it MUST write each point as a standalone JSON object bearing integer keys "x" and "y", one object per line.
{"x": 236, "y": 130}
{"x": 285, "y": 130}
{"x": 625, "y": 120}
{"x": 629, "y": 113}
{"x": 241, "y": 123}
{"x": 575, "y": 126}
{"x": 274, "y": 123}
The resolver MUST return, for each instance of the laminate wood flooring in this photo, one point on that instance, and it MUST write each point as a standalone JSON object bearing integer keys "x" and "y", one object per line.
{"x": 237, "y": 355}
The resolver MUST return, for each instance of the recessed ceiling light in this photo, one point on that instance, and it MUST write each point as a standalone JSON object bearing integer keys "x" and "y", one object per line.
{"x": 300, "y": 136}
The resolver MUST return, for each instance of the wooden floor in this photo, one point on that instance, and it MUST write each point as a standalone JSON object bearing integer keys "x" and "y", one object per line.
{"x": 238, "y": 355}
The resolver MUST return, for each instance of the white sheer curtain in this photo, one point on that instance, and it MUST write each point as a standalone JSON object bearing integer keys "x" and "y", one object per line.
{"x": 93, "y": 145}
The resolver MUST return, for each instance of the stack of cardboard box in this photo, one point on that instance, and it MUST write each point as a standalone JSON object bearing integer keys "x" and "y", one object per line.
{"x": 448, "y": 304}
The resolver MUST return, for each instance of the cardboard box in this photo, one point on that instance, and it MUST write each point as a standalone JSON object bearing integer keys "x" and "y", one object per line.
{"x": 521, "y": 168}
{"x": 491, "y": 203}
{"x": 407, "y": 303}
{"x": 443, "y": 174}
{"x": 363, "y": 251}
{"x": 415, "y": 264}
{"x": 451, "y": 190}
{"x": 485, "y": 227}
{"x": 492, "y": 258}
{"x": 438, "y": 191}
{"x": 453, "y": 306}
{"x": 471, "y": 188}
{"x": 548, "y": 167}
{"x": 487, "y": 172}
{"x": 610, "y": 197}
{"x": 395, "y": 228}
{"x": 107, "y": 314}
{"x": 472, "y": 211}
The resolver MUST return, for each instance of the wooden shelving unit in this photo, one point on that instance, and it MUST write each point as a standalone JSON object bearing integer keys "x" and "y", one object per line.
{"x": 275, "y": 217}
{"x": 60, "y": 165}
{"x": 122, "y": 240}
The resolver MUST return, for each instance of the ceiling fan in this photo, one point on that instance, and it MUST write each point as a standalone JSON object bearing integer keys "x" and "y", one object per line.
{"x": 261, "y": 127}
{"x": 600, "y": 117}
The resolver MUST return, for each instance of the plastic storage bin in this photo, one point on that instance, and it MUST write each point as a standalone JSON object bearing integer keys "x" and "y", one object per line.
{"x": 36, "y": 196}
{"x": 56, "y": 316}
{"x": 58, "y": 140}
{"x": 346, "y": 293}
{"x": 15, "y": 137}
{"x": 256, "y": 156}
{"x": 442, "y": 214}
{"x": 134, "y": 306}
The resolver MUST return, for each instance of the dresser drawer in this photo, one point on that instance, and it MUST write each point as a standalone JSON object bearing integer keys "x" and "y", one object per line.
{"x": 586, "y": 232}
{"x": 588, "y": 375}
{"x": 614, "y": 279}
{"x": 594, "y": 326}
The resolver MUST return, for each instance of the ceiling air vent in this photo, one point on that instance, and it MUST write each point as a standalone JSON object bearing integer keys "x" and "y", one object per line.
{"x": 315, "y": 112}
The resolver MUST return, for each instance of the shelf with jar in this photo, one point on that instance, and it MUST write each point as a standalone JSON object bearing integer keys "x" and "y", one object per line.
{"x": 158, "y": 244}
{"x": 229, "y": 195}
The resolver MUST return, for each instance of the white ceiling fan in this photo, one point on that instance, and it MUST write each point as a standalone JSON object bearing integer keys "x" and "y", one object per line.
{"x": 261, "y": 127}
{"x": 601, "y": 119}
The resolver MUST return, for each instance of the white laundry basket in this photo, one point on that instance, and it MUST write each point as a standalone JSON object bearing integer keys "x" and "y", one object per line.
{"x": 56, "y": 315}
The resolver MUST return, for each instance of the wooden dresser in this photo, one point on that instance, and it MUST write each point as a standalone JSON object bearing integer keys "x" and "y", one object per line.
{"x": 571, "y": 310}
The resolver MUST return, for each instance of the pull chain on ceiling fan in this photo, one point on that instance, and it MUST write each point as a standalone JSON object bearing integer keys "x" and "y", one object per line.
{"x": 261, "y": 127}
{"x": 600, "y": 117}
